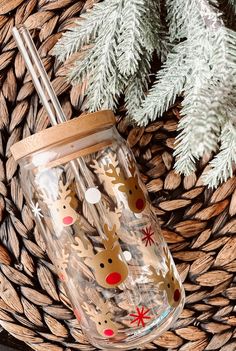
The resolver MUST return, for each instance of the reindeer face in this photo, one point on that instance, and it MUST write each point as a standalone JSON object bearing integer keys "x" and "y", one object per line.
{"x": 135, "y": 195}
{"x": 105, "y": 326}
{"x": 172, "y": 288}
{"x": 109, "y": 270}
{"x": 130, "y": 186}
{"x": 169, "y": 283}
{"x": 63, "y": 212}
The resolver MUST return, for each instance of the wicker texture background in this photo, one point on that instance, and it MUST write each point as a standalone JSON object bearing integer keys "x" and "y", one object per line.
{"x": 198, "y": 224}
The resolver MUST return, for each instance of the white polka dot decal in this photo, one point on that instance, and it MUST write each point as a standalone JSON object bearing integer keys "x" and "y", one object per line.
{"x": 127, "y": 255}
{"x": 93, "y": 196}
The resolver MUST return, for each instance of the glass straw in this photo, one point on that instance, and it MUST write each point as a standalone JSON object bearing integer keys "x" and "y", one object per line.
{"x": 54, "y": 110}
{"x": 36, "y": 68}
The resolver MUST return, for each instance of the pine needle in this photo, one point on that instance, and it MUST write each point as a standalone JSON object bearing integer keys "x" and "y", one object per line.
{"x": 223, "y": 165}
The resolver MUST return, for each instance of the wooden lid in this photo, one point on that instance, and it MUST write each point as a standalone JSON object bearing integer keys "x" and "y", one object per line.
{"x": 73, "y": 129}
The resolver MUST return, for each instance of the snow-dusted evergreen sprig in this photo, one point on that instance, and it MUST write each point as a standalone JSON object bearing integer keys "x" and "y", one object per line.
{"x": 197, "y": 134}
{"x": 156, "y": 31}
{"x": 223, "y": 165}
{"x": 130, "y": 38}
{"x": 137, "y": 85}
{"x": 84, "y": 31}
{"x": 206, "y": 61}
{"x": 169, "y": 84}
{"x": 122, "y": 34}
{"x": 202, "y": 126}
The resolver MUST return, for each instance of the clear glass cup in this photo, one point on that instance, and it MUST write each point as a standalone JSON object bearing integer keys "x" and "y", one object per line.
{"x": 82, "y": 183}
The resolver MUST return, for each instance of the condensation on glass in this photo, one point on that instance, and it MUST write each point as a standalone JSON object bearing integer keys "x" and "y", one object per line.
{"x": 83, "y": 186}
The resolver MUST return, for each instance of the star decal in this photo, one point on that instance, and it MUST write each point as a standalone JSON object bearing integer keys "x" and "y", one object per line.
{"x": 36, "y": 210}
{"x": 140, "y": 316}
{"x": 147, "y": 236}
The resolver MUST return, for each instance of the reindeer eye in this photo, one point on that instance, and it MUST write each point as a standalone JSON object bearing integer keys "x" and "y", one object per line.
{"x": 110, "y": 260}
{"x": 136, "y": 187}
{"x": 130, "y": 191}
{"x": 168, "y": 285}
{"x": 102, "y": 265}
{"x": 99, "y": 323}
{"x": 106, "y": 322}
{"x": 172, "y": 278}
{"x": 64, "y": 206}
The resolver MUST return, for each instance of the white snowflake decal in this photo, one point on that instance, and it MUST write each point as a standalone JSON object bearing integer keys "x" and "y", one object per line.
{"x": 36, "y": 210}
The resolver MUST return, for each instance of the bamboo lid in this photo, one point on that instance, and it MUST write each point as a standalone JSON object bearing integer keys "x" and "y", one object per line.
{"x": 73, "y": 129}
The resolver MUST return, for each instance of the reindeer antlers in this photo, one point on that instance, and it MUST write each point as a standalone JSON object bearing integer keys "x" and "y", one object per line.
{"x": 90, "y": 311}
{"x": 104, "y": 307}
{"x": 119, "y": 179}
{"x": 63, "y": 190}
{"x": 98, "y": 169}
{"x": 101, "y": 305}
{"x": 167, "y": 258}
{"x": 111, "y": 237}
{"x": 63, "y": 193}
{"x": 132, "y": 166}
{"x": 155, "y": 277}
{"x": 81, "y": 250}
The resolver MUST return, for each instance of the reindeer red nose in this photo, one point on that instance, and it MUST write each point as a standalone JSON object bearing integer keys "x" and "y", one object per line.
{"x": 176, "y": 295}
{"x": 113, "y": 278}
{"x": 108, "y": 332}
{"x": 67, "y": 220}
{"x": 139, "y": 204}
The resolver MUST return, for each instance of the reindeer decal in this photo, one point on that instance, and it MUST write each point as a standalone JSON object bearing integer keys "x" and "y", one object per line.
{"x": 62, "y": 265}
{"x": 109, "y": 270}
{"x": 101, "y": 172}
{"x": 103, "y": 319}
{"x": 130, "y": 186}
{"x": 169, "y": 283}
{"x": 62, "y": 212}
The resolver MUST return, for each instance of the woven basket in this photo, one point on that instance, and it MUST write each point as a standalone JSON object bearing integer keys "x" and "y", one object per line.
{"x": 198, "y": 224}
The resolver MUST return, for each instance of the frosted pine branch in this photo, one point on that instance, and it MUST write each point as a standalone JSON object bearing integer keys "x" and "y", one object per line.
{"x": 85, "y": 30}
{"x": 202, "y": 125}
{"x": 137, "y": 86}
{"x": 122, "y": 36}
{"x": 169, "y": 84}
{"x": 198, "y": 133}
{"x": 222, "y": 166}
{"x": 207, "y": 60}
{"x": 187, "y": 17}
{"x": 130, "y": 39}
{"x": 102, "y": 65}
{"x": 156, "y": 32}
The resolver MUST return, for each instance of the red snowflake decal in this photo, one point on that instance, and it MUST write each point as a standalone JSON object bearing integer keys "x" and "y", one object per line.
{"x": 147, "y": 236}
{"x": 140, "y": 316}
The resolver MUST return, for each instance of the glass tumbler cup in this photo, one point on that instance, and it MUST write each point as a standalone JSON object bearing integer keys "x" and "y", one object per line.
{"x": 84, "y": 188}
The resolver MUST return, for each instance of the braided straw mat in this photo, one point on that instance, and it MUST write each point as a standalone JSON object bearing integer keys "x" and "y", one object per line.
{"x": 199, "y": 224}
